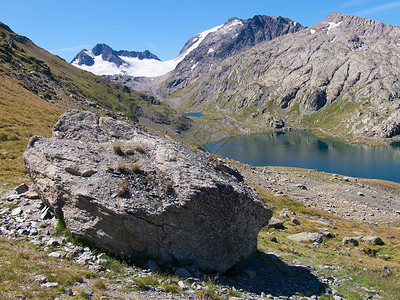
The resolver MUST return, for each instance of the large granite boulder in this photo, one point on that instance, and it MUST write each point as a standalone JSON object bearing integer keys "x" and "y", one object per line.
{"x": 132, "y": 192}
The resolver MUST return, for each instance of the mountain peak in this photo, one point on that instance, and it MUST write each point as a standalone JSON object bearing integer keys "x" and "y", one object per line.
{"x": 361, "y": 26}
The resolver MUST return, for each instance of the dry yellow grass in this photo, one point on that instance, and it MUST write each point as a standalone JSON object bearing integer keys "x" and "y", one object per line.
{"x": 22, "y": 114}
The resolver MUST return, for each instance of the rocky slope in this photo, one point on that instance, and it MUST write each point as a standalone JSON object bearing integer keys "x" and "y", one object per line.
{"x": 340, "y": 76}
{"x": 234, "y": 37}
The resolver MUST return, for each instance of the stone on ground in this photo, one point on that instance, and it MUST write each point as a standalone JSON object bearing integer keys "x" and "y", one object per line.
{"x": 131, "y": 192}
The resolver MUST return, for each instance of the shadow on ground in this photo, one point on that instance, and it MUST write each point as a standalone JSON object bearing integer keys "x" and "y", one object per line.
{"x": 267, "y": 273}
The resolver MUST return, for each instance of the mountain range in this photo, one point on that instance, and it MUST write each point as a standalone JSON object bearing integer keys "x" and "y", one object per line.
{"x": 339, "y": 76}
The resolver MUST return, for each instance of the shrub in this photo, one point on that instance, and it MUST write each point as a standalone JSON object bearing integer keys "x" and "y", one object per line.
{"x": 122, "y": 169}
{"x": 139, "y": 149}
{"x": 129, "y": 152}
{"x": 122, "y": 190}
{"x": 118, "y": 150}
{"x": 136, "y": 169}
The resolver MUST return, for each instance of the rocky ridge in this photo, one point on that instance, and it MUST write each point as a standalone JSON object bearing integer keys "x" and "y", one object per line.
{"x": 109, "y": 181}
{"x": 203, "y": 52}
{"x": 234, "y": 37}
{"x": 340, "y": 76}
{"x": 86, "y": 57}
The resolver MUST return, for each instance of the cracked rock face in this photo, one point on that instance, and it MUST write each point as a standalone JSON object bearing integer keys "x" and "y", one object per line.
{"x": 131, "y": 192}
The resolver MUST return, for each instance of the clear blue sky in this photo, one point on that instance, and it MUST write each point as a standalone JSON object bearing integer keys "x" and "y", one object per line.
{"x": 66, "y": 27}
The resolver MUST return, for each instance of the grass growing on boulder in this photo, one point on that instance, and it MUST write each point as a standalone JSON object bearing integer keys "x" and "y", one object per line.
{"x": 122, "y": 189}
{"x": 139, "y": 149}
{"x": 136, "y": 169}
{"x": 122, "y": 169}
{"x": 117, "y": 149}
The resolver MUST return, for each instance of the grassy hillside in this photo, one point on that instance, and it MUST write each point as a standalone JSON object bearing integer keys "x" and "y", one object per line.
{"x": 36, "y": 87}
{"x": 23, "y": 114}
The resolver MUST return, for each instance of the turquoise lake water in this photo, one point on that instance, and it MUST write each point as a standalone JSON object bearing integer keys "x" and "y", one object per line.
{"x": 196, "y": 115}
{"x": 304, "y": 150}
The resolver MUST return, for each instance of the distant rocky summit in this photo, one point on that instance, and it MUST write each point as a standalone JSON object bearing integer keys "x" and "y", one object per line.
{"x": 131, "y": 192}
{"x": 86, "y": 57}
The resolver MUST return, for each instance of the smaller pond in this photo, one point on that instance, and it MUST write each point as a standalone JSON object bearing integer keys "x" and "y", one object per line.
{"x": 304, "y": 150}
{"x": 196, "y": 115}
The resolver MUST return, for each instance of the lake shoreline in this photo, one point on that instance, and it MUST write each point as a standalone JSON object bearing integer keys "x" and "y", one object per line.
{"x": 370, "y": 201}
{"x": 303, "y": 149}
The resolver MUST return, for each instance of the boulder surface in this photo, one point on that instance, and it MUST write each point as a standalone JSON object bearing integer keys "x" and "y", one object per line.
{"x": 131, "y": 192}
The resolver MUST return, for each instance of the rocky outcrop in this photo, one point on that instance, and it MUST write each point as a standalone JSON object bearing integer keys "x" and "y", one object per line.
{"x": 131, "y": 192}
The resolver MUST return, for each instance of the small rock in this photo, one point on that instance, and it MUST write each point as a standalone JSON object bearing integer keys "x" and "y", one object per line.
{"x": 182, "y": 272}
{"x": 151, "y": 265}
{"x": 57, "y": 254}
{"x": 295, "y": 221}
{"x": 40, "y": 279}
{"x": 104, "y": 262}
{"x": 45, "y": 213}
{"x": 182, "y": 285}
{"x": 13, "y": 197}
{"x": 325, "y": 231}
{"x": 275, "y": 223}
{"x": 374, "y": 240}
{"x": 88, "y": 255}
{"x": 360, "y": 194}
{"x": 69, "y": 292}
{"x": 301, "y": 186}
{"x": 22, "y": 188}
{"x": 53, "y": 243}
{"x": 350, "y": 240}
{"x": 82, "y": 261}
{"x": 31, "y": 195}
{"x": 88, "y": 292}
{"x": 16, "y": 211}
{"x": 306, "y": 237}
{"x": 49, "y": 284}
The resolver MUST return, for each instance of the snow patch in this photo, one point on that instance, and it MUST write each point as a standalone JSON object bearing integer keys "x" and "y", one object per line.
{"x": 233, "y": 24}
{"x": 313, "y": 31}
{"x": 90, "y": 53}
{"x": 142, "y": 68}
{"x": 210, "y": 50}
{"x": 194, "y": 66}
{"x": 333, "y": 25}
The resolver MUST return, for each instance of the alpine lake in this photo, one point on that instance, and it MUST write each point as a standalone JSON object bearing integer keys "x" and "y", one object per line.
{"x": 304, "y": 150}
